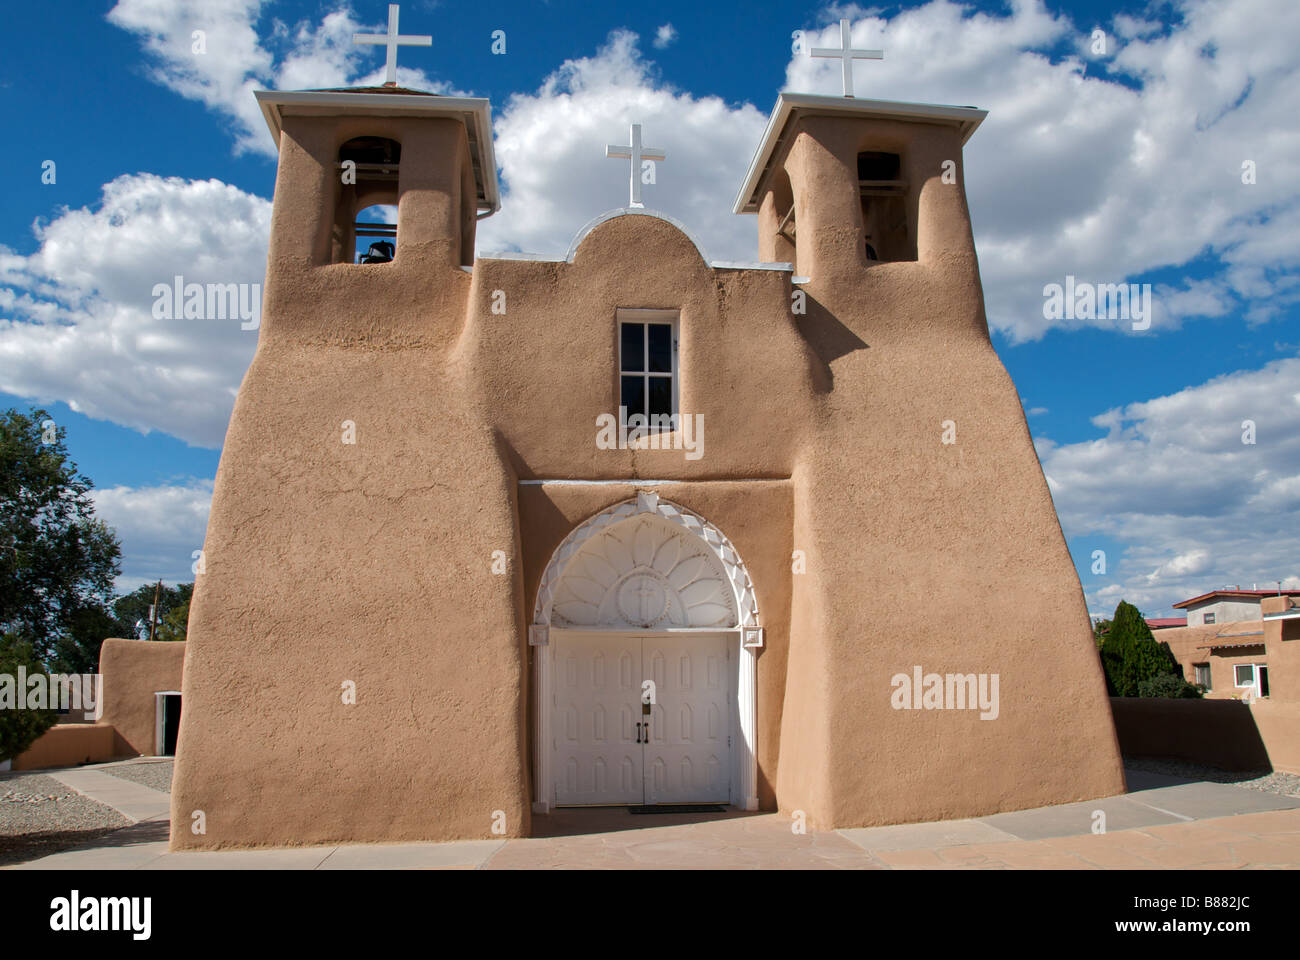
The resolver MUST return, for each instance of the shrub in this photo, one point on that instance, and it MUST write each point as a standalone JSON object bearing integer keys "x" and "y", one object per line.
{"x": 1173, "y": 686}
{"x": 19, "y": 729}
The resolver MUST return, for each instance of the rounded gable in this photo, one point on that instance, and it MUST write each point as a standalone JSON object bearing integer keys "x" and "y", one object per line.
{"x": 615, "y": 216}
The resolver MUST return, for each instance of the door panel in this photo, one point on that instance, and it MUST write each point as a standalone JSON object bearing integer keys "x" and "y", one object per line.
{"x": 597, "y": 711}
{"x": 596, "y": 753}
{"x": 688, "y": 753}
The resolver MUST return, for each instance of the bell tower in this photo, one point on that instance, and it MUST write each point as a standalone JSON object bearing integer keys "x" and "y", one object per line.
{"x": 346, "y": 158}
{"x": 842, "y": 185}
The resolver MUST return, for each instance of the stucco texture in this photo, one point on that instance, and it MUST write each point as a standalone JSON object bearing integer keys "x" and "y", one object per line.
{"x": 371, "y": 562}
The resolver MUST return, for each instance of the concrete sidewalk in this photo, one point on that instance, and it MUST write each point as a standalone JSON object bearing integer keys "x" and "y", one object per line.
{"x": 1162, "y": 823}
{"x": 133, "y": 800}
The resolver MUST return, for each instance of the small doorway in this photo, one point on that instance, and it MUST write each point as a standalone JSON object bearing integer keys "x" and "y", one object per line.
{"x": 167, "y": 723}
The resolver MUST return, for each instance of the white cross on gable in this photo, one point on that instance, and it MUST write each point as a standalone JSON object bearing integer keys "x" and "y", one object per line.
{"x": 846, "y": 55}
{"x": 392, "y": 40}
{"x": 636, "y": 152}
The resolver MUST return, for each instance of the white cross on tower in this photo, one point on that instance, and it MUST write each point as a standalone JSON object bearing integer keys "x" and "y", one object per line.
{"x": 636, "y": 153}
{"x": 391, "y": 40}
{"x": 847, "y": 55}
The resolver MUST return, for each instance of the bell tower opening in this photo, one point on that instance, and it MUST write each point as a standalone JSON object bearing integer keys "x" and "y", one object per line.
{"x": 365, "y": 227}
{"x": 882, "y": 196}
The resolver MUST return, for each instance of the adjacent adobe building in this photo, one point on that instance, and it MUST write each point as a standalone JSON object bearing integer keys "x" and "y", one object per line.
{"x": 443, "y": 596}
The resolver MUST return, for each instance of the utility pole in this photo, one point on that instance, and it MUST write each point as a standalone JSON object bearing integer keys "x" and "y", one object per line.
{"x": 153, "y": 610}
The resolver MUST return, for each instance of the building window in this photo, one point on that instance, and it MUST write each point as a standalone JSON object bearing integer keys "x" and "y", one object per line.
{"x": 1208, "y": 618}
{"x": 647, "y": 367}
{"x": 1245, "y": 674}
{"x": 1203, "y": 675}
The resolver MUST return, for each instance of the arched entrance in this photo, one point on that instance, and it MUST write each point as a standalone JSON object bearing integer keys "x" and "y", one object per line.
{"x": 645, "y": 591}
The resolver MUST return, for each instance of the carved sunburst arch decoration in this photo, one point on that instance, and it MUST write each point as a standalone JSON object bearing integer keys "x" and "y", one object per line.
{"x": 647, "y": 563}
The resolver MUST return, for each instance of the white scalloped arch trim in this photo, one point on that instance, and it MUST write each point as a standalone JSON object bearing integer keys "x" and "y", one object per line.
{"x": 713, "y": 538}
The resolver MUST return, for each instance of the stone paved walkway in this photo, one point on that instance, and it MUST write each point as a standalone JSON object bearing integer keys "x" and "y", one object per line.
{"x": 1163, "y": 823}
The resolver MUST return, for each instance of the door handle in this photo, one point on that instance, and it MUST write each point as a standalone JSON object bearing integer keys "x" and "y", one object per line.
{"x": 638, "y": 733}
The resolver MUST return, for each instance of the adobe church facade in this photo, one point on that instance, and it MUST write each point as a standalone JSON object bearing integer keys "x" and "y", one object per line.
{"x": 440, "y": 603}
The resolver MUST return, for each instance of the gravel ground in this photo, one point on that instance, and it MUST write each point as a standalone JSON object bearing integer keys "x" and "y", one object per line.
{"x": 156, "y": 774}
{"x": 40, "y": 816}
{"x": 1285, "y": 784}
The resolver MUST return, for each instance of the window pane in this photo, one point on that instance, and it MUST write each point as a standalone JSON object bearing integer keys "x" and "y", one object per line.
{"x": 1245, "y": 674}
{"x": 661, "y": 348}
{"x": 661, "y": 395}
{"x": 632, "y": 395}
{"x": 633, "y": 353}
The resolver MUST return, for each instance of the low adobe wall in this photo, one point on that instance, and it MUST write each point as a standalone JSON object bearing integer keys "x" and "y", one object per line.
{"x": 67, "y": 745}
{"x": 1279, "y": 727}
{"x": 133, "y": 671}
{"x": 1223, "y": 733}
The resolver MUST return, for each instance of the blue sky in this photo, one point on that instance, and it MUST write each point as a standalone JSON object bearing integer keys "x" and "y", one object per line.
{"x": 1118, "y": 166}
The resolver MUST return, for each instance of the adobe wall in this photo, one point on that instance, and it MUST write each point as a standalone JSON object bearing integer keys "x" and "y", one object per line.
{"x": 1221, "y": 733}
{"x": 67, "y": 745}
{"x": 947, "y": 556}
{"x": 372, "y": 562}
{"x": 1188, "y": 645}
{"x": 364, "y": 565}
{"x": 133, "y": 671}
{"x": 1278, "y": 723}
{"x": 1282, "y": 639}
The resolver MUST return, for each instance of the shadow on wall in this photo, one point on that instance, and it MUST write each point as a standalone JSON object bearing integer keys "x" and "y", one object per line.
{"x": 829, "y": 339}
{"x": 1219, "y": 733}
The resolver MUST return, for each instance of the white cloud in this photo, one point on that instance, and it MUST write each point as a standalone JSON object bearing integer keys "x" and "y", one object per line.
{"x": 1076, "y": 172}
{"x": 551, "y": 149}
{"x": 76, "y": 316}
{"x": 1173, "y": 480}
{"x": 665, "y": 36}
{"x": 1099, "y": 167}
{"x": 159, "y": 527}
{"x": 239, "y": 58}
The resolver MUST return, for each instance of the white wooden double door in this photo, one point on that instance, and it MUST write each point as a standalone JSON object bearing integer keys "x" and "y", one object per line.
{"x": 610, "y": 750}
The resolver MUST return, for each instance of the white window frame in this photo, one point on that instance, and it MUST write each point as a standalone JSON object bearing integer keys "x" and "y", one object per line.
{"x": 672, "y": 319}
{"x": 1253, "y": 676}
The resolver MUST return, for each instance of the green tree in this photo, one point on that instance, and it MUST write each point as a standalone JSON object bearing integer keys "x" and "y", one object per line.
{"x": 57, "y": 559}
{"x": 173, "y": 610}
{"x": 19, "y": 729}
{"x": 1131, "y": 657}
{"x": 1099, "y": 632}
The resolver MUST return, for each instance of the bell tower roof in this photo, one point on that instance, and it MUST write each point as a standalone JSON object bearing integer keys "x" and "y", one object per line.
{"x": 393, "y": 101}
{"x": 791, "y": 106}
